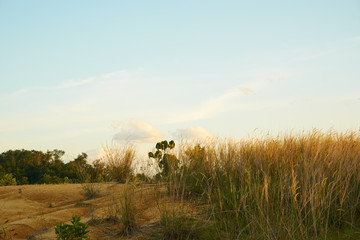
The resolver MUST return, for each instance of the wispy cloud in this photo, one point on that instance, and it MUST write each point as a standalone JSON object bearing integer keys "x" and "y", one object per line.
{"x": 18, "y": 93}
{"x": 71, "y": 84}
{"x": 136, "y": 132}
{"x": 82, "y": 82}
{"x": 228, "y": 101}
{"x": 197, "y": 133}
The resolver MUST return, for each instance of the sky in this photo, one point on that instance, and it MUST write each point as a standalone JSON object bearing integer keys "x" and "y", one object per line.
{"x": 77, "y": 75}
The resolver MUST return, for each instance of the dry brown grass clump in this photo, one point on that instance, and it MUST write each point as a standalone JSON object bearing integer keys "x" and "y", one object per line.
{"x": 119, "y": 160}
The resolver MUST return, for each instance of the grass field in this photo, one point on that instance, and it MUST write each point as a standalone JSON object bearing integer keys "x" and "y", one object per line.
{"x": 296, "y": 186}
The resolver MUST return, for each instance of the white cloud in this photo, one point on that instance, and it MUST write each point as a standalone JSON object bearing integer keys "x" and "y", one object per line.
{"x": 137, "y": 132}
{"x": 193, "y": 133}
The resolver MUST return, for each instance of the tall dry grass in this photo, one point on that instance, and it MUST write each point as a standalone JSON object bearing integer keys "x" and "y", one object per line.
{"x": 302, "y": 186}
{"x": 119, "y": 160}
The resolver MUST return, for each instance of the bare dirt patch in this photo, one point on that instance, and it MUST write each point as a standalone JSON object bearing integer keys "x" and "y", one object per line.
{"x": 32, "y": 211}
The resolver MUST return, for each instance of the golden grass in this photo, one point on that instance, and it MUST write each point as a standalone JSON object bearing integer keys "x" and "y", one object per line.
{"x": 293, "y": 186}
{"x": 287, "y": 187}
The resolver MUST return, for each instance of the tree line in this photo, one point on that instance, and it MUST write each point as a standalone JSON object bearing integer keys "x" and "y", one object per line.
{"x": 19, "y": 167}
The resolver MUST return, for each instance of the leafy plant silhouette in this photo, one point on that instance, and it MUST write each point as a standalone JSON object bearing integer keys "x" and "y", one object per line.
{"x": 167, "y": 162}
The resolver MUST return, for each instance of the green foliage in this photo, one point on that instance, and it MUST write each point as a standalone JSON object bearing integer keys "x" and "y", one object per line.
{"x": 195, "y": 174}
{"x": 47, "y": 179}
{"x": 8, "y": 180}
{"x": 36, "y": 167}
{"x": 24, "y": 180}
{"x": 76, "y": 231}
{"x": 67, "y": 180}
{"x": 167, "y": 162}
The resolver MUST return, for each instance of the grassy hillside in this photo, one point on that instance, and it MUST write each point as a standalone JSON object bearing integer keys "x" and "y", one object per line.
{"x": 304, "y": 186}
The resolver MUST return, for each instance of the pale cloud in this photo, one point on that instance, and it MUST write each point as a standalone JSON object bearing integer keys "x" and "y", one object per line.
{"x": 260, "y": 78}
{"x": 245, "y": 90}
{"x": 197, "y": 133}
{"x": 135, "y": 131}
{"x": 96, "y": 153}
{"x": 77, "y": 83}
{"x": 70, "y": 84}
{"x": 227, "y": 101}
{"x": 82, "y": 82}
{"x": 207, "y": 109}
{"x": 18, "y": 93}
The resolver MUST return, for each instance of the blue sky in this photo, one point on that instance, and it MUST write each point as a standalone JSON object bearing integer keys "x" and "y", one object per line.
{"x": 78, "y": 74}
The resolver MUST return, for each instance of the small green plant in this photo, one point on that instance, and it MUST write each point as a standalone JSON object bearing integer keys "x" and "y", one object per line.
{"x": 167, "y": 162}
{"x": 20, "y": 191}
{"x": 76, "y": 231}
{"x": 50, "y": 205}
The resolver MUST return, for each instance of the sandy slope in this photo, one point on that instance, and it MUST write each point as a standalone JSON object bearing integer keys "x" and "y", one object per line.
{"x": 32, "y": 211}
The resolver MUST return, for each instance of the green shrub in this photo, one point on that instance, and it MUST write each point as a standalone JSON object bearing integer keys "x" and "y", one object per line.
{"x": 76, "y": 231}
{"x": 47, "y": 179}
{"x": 8, "y": 180}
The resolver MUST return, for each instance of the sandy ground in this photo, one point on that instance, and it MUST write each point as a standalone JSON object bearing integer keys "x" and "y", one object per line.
{"x": 32, "y": 211}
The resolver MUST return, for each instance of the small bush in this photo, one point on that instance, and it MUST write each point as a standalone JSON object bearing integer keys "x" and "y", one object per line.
{"x": 76, "y": 231}
{"x": 8, "y": 180}
{"x": 90, "y": 190}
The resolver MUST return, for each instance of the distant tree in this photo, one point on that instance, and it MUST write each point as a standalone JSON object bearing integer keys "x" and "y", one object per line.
{"x": 34, "y": 167}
